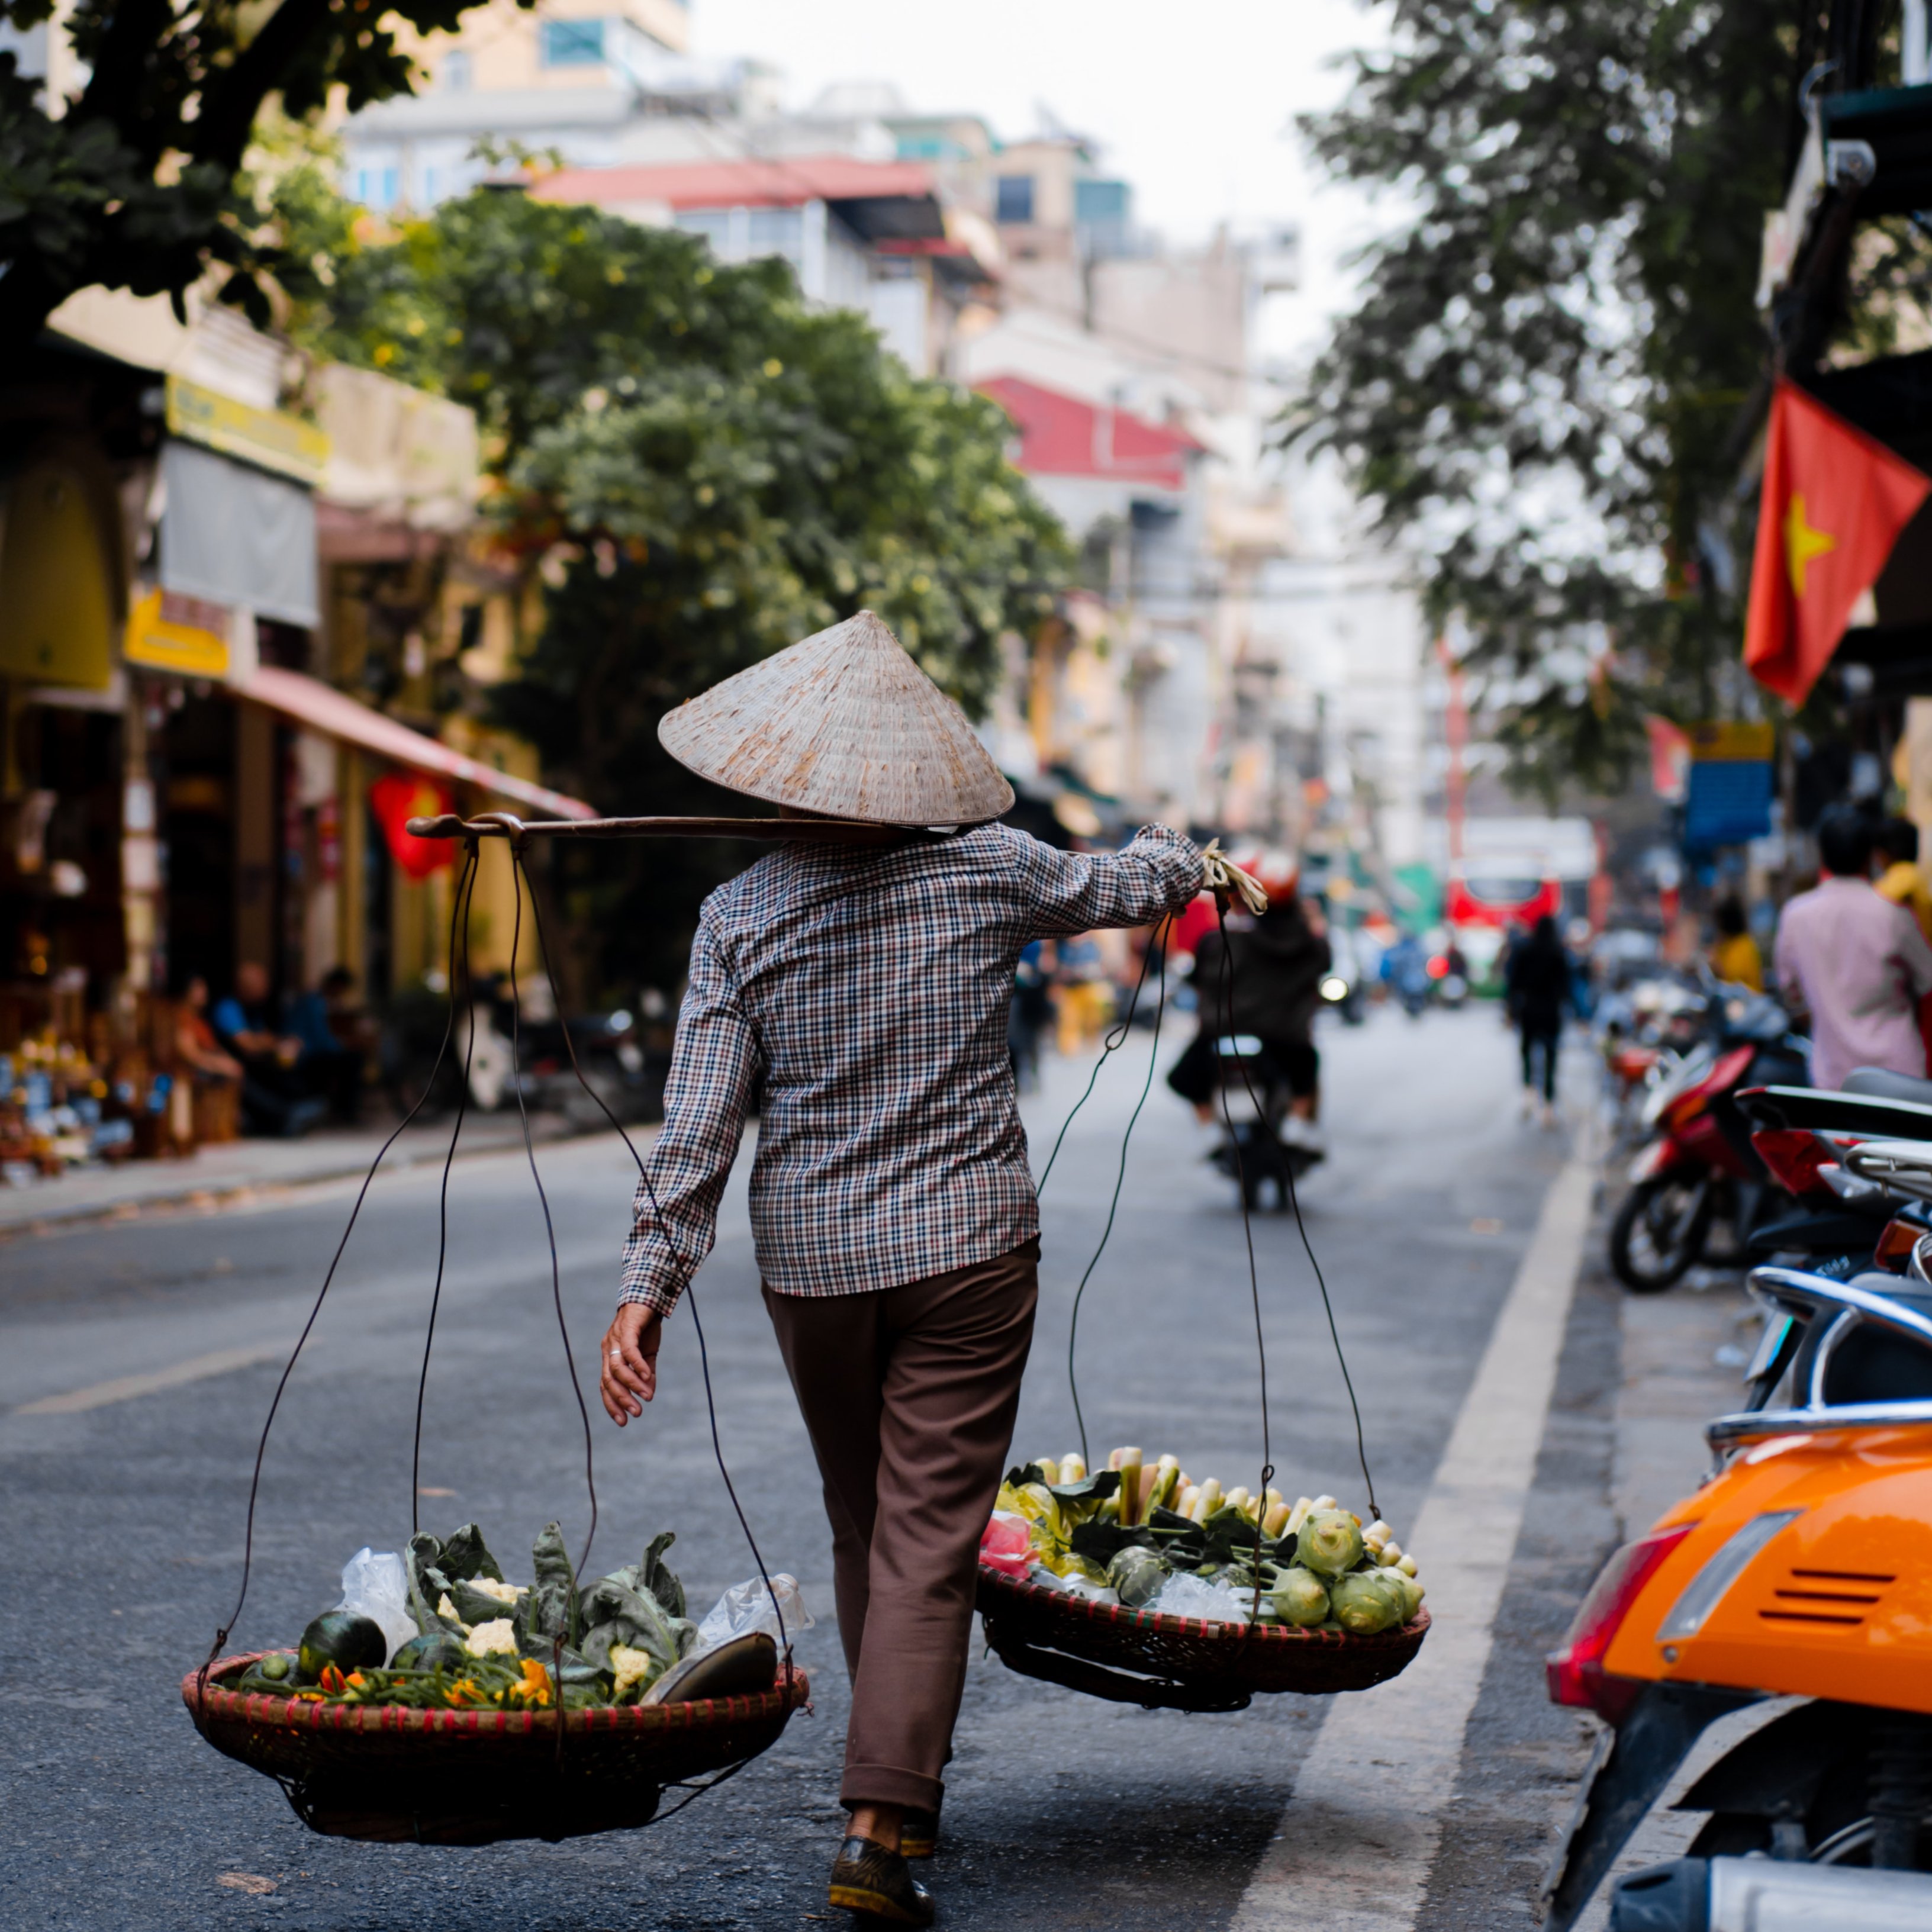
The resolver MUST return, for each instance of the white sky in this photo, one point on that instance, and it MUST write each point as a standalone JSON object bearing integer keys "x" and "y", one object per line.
{"x": 1193, "y": 103}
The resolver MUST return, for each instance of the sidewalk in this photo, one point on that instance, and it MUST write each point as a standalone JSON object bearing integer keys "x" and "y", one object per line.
{"x": 234, "y": 1171}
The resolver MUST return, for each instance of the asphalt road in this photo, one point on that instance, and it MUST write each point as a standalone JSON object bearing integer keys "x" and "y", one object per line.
{"x": 124, "y": 1512}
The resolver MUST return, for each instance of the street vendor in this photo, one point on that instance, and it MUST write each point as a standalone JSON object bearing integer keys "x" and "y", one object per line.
{"x": 861, "y": 994}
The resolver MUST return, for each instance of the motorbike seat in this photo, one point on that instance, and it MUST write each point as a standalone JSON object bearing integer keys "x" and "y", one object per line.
{"x": 1880, "y": 1083}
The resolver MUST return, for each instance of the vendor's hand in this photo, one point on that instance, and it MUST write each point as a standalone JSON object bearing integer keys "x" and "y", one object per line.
{"x": 629, "y": 1377}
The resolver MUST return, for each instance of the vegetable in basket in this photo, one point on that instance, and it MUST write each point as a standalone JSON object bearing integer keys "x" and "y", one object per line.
{"x": 1300, "y": 1597}
{"x": 1366, "y": 1601}
{"x": 1131, "y": 1526}
{"x": 482, "y": 1641}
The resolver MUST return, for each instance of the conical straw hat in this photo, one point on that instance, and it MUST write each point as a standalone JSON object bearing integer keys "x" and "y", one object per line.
{"x": 844, "y": 723}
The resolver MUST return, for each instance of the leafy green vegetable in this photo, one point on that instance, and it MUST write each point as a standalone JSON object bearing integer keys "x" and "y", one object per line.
{"x": 658, "y": 1577}
{"x": 549, "y": 1610}
{"x": 466, "y": 1556}
{"x": 428, "y": 1586}
{"x": 1101, "y": 1542}
{"x": 474, "y": 1606}
{"x": 619, "y": 1614}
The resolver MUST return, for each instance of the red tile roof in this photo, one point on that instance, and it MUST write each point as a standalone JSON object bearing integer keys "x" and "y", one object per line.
{"x": 744, "y": 184}
{"x": 1063, "y": 435}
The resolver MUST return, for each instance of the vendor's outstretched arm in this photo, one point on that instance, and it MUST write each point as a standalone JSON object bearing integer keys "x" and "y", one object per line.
{"x": 675, "y": 1212}
{"x": 1078, "y": 892}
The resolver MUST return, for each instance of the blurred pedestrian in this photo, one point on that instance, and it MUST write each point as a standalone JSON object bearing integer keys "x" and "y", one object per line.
{"x": 1537, "y": 990}
{"x": 1899, "y": 879}
{"x": 276, "y": 1099}
{"x": 1856, "y": 962}
{"x": 333, "y": 1032}
{"x": 1735, "y": 959}
{"x": 195, "y": 1047}
{"x": 1030, "y": 1013}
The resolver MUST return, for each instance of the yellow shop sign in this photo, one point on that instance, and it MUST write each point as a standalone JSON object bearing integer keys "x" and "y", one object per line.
{"x": 178, "y": 634}
{"x": 267, "y": 438}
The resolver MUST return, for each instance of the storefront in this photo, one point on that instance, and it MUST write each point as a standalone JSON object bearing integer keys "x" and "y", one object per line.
{"x": 210, "y": 607}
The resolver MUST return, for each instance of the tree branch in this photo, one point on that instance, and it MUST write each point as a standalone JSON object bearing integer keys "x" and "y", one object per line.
{"x": 229, "y": 107}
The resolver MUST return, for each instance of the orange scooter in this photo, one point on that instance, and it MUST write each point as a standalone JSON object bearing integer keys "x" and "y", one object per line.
{"x": 1802, "y": 1567}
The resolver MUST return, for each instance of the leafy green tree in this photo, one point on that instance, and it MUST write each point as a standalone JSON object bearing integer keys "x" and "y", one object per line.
{"x": 706, "y": 468}
{"x": 1543, "y": 385}
{"x": 132, "y": 184}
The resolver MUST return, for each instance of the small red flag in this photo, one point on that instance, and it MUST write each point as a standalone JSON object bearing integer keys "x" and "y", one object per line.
{"x": 1833, "y": 504}
{"x": 396, "y": 798}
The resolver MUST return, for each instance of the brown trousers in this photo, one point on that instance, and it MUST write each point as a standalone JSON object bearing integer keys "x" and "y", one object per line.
{"x": 910, "y": 1395}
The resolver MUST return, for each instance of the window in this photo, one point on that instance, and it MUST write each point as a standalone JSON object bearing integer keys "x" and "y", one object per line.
{"x": 376, "y": 187}
{"x": 1100, "y": 201}
{"x": 456, "y": 70}
{"x": 573, "y": 42}
{"x": 713, "y": 224}
{"x": 777, "y": 231}
{"x": 1013, "y": 198}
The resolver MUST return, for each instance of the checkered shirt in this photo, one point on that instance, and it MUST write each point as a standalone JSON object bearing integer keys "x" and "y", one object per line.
{"x": 861, "y": 996}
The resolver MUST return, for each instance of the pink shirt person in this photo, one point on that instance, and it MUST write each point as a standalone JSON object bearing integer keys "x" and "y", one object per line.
{"x": 1858, "y": 963}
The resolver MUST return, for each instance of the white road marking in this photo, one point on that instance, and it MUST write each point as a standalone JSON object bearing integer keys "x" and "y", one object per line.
{"x": 1360, "y": 1836}
{"x": 125, "y": 1388}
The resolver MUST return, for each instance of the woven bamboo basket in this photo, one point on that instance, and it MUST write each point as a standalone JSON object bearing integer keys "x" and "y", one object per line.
{"x": 1140, "y": 1656}
{"x": 471, "y": 1778}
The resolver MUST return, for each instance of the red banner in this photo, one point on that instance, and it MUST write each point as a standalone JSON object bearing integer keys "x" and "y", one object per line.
{"x": 397, "y": 798}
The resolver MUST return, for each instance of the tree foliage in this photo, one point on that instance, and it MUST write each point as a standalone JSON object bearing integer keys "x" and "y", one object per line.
{"x": 1541, "y": 386}
{"x": 132, "y": 184}
{"x": 706, "y": 468}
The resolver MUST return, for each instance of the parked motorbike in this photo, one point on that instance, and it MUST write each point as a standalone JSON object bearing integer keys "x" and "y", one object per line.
{"x": 1699, "y": 1167}
{"x": 1800, "y": 1569}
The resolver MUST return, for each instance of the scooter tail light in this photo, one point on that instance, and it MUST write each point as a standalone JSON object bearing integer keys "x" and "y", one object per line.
{"x": 1796, "y": 1157}
{"x": 1895, "y": 1244}
{"x": 1576, "y": 1673}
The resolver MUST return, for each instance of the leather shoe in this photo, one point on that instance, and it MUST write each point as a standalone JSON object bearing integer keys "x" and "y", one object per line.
{"x": 869, "y": 1878}
{"x": 919, "y": 1834}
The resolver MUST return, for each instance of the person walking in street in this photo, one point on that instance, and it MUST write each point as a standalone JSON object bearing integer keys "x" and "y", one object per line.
{"x": 1855, "y": 961}
{"x": 1900, "y": 880}
{"x": 1735, "y": 959}
{"x": 1537, "y": 990}
{"x": 862, "y": 993}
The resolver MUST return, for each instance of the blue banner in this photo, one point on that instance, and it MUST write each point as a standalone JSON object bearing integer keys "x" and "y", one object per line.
{"x": 1729, "y": 803}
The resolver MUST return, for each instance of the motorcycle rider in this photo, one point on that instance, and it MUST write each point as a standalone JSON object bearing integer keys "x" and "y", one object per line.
{"x": 1276, "y": 962}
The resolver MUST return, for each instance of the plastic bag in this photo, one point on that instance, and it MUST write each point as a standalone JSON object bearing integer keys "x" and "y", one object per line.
{"x": 748, "y": 1606}
{"x": 1006, "y": 1544}
{"x": 375, "y": 1585}
{"x": 1185, "y": 1595}
{"x": 1072, "y": 1586}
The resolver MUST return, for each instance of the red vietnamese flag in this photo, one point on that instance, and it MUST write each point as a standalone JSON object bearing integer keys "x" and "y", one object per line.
{"x": 1833, "y": 504}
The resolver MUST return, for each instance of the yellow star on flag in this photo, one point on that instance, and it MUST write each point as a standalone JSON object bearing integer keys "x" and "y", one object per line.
{"x": 1802, "y": 543}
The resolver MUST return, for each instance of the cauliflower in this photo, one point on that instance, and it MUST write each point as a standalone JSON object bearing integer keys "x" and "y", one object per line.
{"x": 487, "y": 1639}
{"x": 504, "y": 1593}
{"x": 632, "y": 1668}
{"x": 445, "y": 1608}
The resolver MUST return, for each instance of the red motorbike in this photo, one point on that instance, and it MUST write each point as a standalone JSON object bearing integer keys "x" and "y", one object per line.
{"x": 1699, "y": 1167}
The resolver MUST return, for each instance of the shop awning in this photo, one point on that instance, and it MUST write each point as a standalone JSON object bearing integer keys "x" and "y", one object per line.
{"x": 324, "y": 708}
